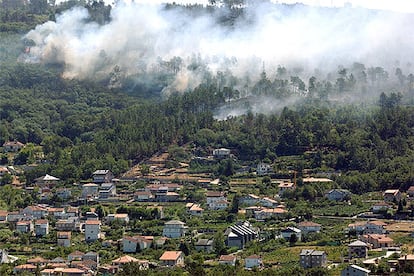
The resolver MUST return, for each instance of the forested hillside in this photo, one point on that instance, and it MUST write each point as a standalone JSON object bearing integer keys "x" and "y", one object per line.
{"x": 356, "y": 119}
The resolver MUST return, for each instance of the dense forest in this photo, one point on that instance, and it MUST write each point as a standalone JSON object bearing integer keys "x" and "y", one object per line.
{"x": 357, "y": 120}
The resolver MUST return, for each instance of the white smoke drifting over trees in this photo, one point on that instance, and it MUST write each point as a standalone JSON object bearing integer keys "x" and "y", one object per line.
{"x": 144, "y": 39}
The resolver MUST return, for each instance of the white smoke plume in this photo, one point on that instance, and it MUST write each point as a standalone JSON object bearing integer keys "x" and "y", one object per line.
{"x": 142, "y": 39}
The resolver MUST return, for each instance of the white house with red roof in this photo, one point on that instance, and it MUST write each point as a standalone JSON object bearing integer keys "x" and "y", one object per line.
{"x": 172, "y": 258}
{"x": 92, "y": 230}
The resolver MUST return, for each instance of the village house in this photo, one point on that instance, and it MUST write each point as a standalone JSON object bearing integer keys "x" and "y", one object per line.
{"x": 375, "y": 227}
{"x": 205, "y": 245}
{"x": 63, "y": 193}
{"x": 263, "y": 169}
{"x": 163, "y": 195}
{"x": 16, "y": 216}
{"x": 12, "y": 146}
{"x": 46, "y": 182}
{"x": 41, "y": 227}
{"x": 216, "y": 200}
{"x": 194, "y": 209}
{"x": 143, "y": 196}
{"x": 354, "y": 270}
{"x": 267, "y": 213}
{"x": 92, "y": 230}
{"x": 288, "y": 232}
{"x": 172, "y": 258}
{"x": 71, "y": 212}
{"x": 357, "y": 249}
{"x": 90, "y": 190}
{"x": 240, "y": 234}
{"x": 64, "y": 238}
{"x": 37, "y": 212}
{"x": 392, "y": 195}
{"x": 69, "y": 224}
{"x": 156, "y": 187}
{"x": 91, "y": 256}
{"x": 310, "y": 258}
{"x": 24, "y": 226}
{"x": 286, "y": 187}
{"x": 24, "y": 268}
{"x": 174, "y": 229}
{"x": 358, "y": 227}
{"x": 253, "y": 261}
{"x": 102, "y": 176}
{"x": 309, "y": 227}
{"x": 136, "y": 243}
{"x": 107, "y": 190}
{"x": 381, "y": 207}
{"x": 57, "y": 213}
{"x": 75, "y": 256}
{"x": 249, "y": 200}
{"x": 221, "y": 153}
{"x": 123, "y": 218}
{"x": 268, "y": 202}
{"x": 338, "y": 194}
{"x": 377, "y": 240}
{"x": 121, "y": 261}
{"x": 37, "y": 261}
{"x": 228, "y": 260}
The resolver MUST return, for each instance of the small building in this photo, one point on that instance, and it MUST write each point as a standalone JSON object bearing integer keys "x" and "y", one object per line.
{"x": 119, "y": 262}
{"x": 250, "y": 200}
{"x": 216, "y": 200}
{"x": 289, "y": 232}
{"x": 75, "y": 256}
{"x": 123, "y": 218}
{"x": 12, "y": 146}
{"x": 194, "y": 209}
{"x": 64, "y": 238}
{"x": 354, "y": 270}
{"x": 239, "y": 234}
{"x": 24, "y": 268}
{"x": 174, "y": 229}
{"x": 357, "y": 249}
{"x": 263, "y": 169}
{"x": 25, "y": 226}
{"x": 378, "y": 240}
{"x": 268, "y": 202}
{"x": 286, "y": 187}
{"x": 92, "y": 230}
{"x": 338, "y": 194}
{"x": 143, "y": 196}
{"x": 107, "y": 190}
{"x": 253, "y": 261}
{"x": 136, "y": 243}
{"x": 228, "y": 260}
{"x": 392, "y": 195}
{"x": 381, "y": 207}
{"x": 4, "y": 216}
{"x": 375, "y": 227}
{"x": 309, "y": 227}
{"x": 46, "y": 182}
{"x": 69, "y": 224}
{"x": 205, "y": 245}
{"x": 63, "y": 193}
{"x": 35, "y": 211}
{"x": 267, "y": 213}
{"x": 312, "y": 258}
{"x": 90, "y": 190}
{"x": 172, "y": 258}
{"x": 221, "y": 153}
{"x": 41, "y": 227}
{"x": 102, "y": 176}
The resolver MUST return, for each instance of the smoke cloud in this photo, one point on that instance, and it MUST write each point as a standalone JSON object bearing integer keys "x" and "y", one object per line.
{"x": 143, "y": 40}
